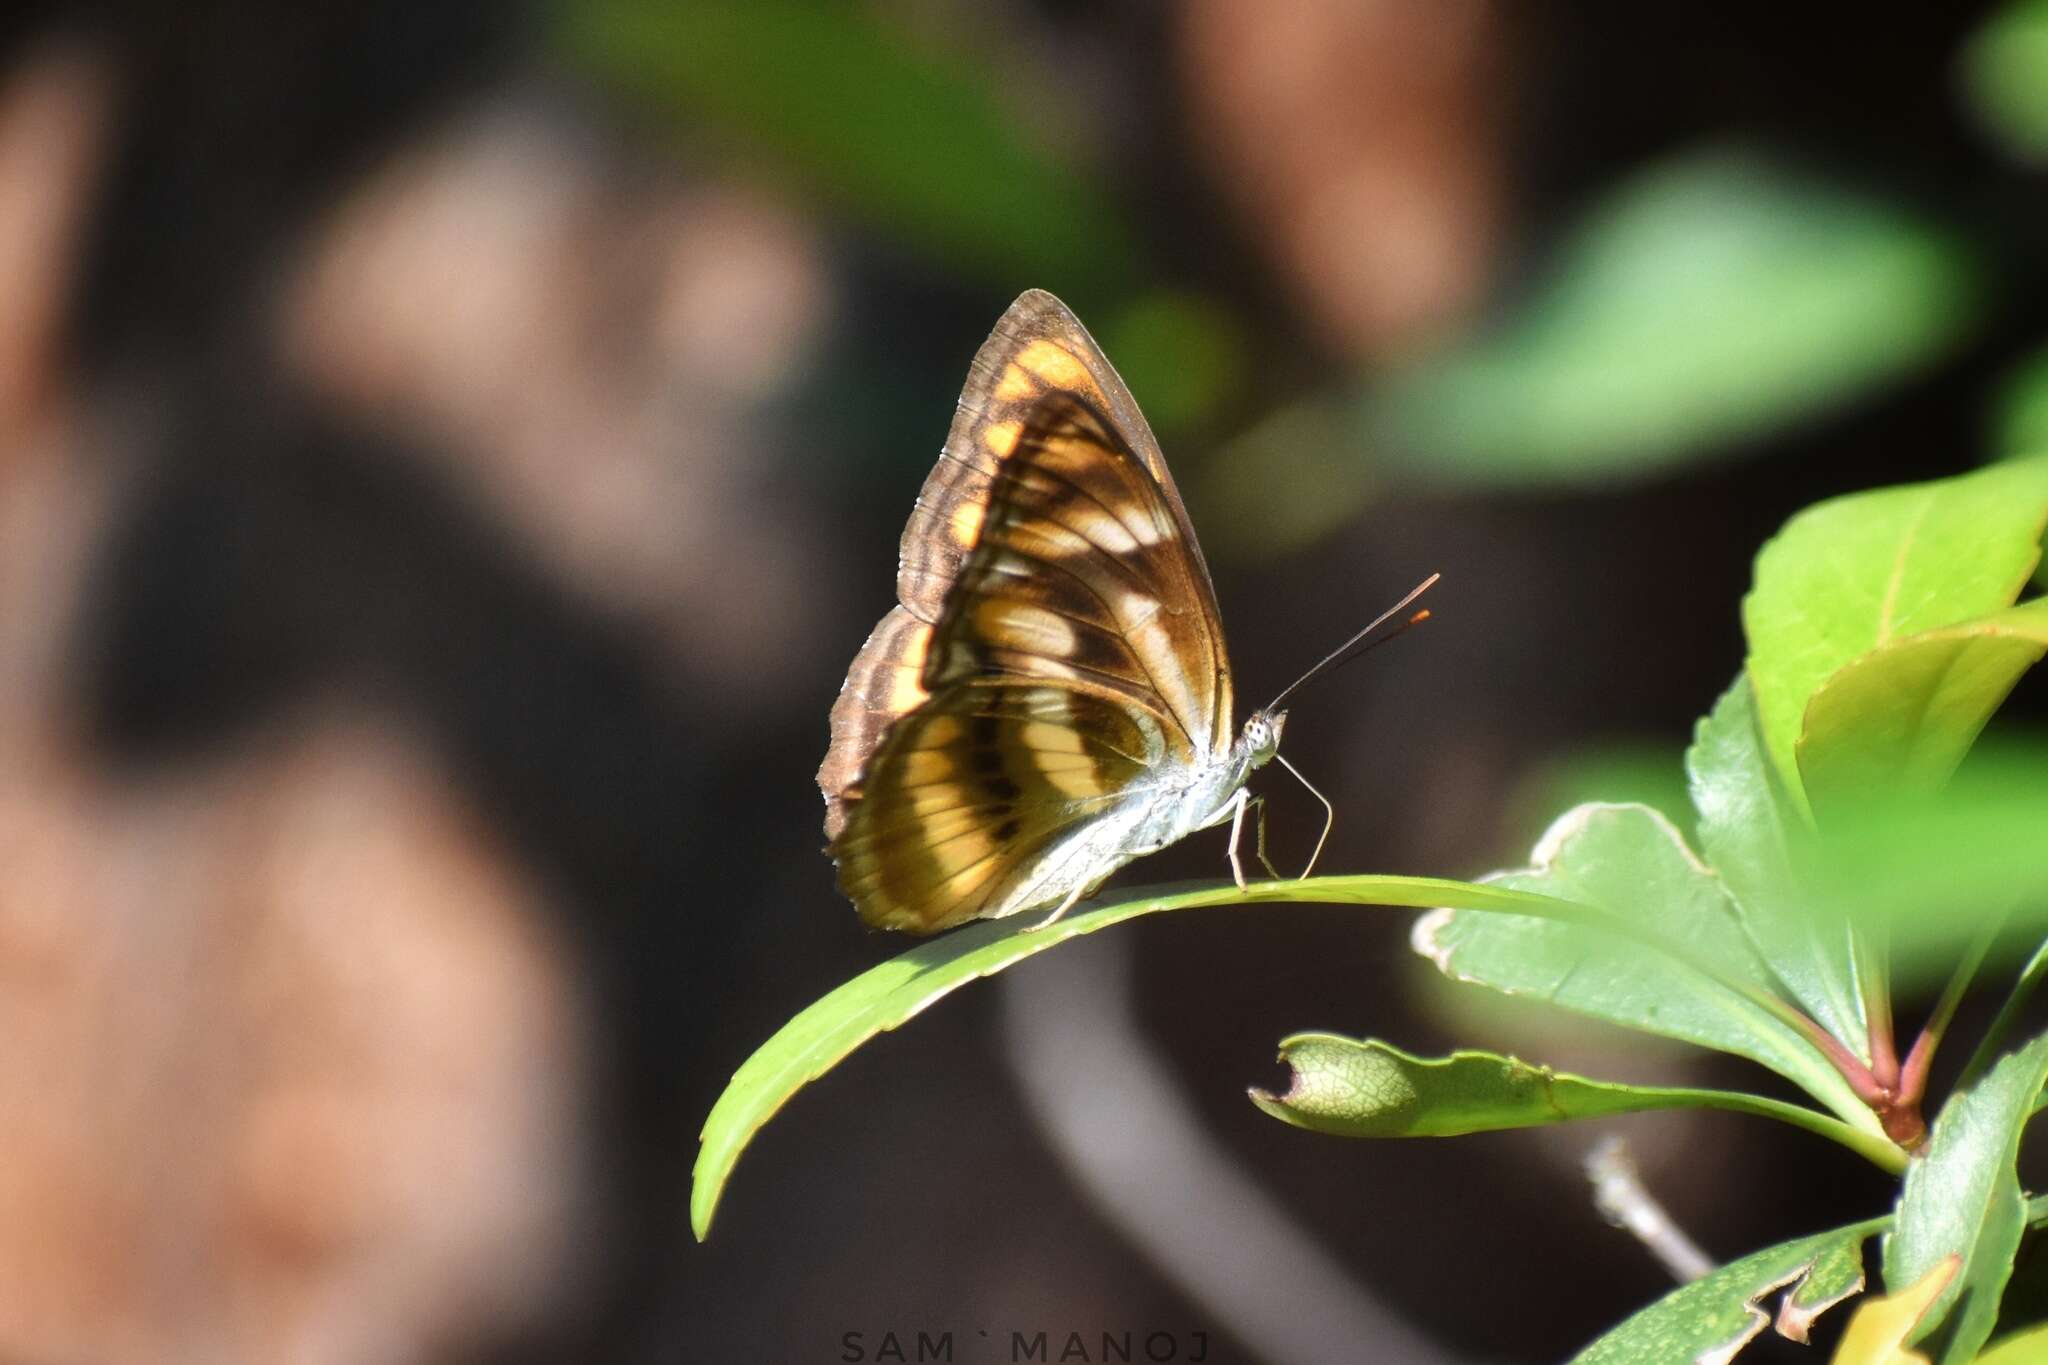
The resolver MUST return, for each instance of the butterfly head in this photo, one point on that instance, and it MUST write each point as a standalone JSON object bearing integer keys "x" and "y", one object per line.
{"x": 1262, "y": 736}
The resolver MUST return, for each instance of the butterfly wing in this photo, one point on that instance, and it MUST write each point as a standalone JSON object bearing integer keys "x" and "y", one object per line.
{"x": 960, "y": 815}
{"x": 1075, "y": 665}
{"x": 1038, "y": 349}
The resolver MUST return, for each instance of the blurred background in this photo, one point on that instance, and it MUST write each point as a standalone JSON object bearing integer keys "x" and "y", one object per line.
{"x": 450, "y": 452}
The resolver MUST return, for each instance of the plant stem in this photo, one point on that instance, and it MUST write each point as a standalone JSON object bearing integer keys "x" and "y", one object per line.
{"x": 1879, "y": 1151}
{"x": 1913, "y": 1080}
{"x": 2008, "y": 1013}
{"x": 1873, "y": 978}
{"x": 1623, "y": 1200}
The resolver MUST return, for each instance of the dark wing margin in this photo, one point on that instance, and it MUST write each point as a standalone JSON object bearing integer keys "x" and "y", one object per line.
{"x": 883, "y": 684}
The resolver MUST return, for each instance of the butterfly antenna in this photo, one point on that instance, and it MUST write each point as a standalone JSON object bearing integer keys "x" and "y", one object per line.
{"x": 1336, "y": 657}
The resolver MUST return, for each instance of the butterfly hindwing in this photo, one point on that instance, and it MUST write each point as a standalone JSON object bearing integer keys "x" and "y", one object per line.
{"x": 884, "y": 683}
{"x": 970, "y": 793}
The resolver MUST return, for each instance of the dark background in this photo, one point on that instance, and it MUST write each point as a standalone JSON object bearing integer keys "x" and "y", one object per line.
{"x": 449, "y": 454}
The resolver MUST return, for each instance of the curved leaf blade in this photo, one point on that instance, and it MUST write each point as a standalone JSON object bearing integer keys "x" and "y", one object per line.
{"x": 1632, "y": 863}
{"x": 1901, "y": 718}
{"x": 1749, "y": 838}
{"x": 1351, "y": 1087}
{"x": 1962, "y": 1198}
{"x": 1850, "y": 574}
{"x": 886, "y": 996}
{"x": 1881, "y": 1329}
{"x": 1710, "y": 1320}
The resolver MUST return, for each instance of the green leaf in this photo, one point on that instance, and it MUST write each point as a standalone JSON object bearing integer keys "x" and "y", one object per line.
{"x": 1631, "y": 862}
{"x": 834, "y": 100}
{"x": 1750, "y": 842}
{"x": 2004, "y": 71}
{"x": 1854, "y": 573}
{"x": 1712, "y": 298}
{"x": 886, "y": 996}
{"x": 1836, "y": 1274}
{"x": 1933, "y": 872}
{"x": 1962, "y": 1198}
{"x": 1714, "y": 1317}
{"x": 1881, "y": 1329}
{"x": 1366, "y": 1088}
{"x": 2019, "y": 408}
{"x": 1901, "y": 718}
{"x": 2021, "y": 1348}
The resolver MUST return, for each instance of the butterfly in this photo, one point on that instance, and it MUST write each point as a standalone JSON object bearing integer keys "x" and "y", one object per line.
{"x": 1051, "y": 697}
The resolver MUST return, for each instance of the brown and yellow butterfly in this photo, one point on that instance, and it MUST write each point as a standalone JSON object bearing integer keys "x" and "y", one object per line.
{"x": 1052, "y": 697}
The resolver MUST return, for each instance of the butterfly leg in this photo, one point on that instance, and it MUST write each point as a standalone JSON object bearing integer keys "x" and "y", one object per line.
{"x": 1259, "y": 839}
{"x": 1073, "y": 898}
{"x": 1237, "y": 804}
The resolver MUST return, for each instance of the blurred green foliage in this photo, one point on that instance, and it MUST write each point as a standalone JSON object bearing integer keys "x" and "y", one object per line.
{"x": 2004, "y": 72}
{"x": 1641, "y": 772}
{"x": 2019, "y": 414}
{"x": 1292, "y": 478}
{"x": 1181, "y": 354}
{"x": 837, "y": 101}
{"x": 1711, "y": 299}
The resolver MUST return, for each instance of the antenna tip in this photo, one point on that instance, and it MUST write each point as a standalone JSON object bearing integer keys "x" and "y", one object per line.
{"x": 1419, "y": 617}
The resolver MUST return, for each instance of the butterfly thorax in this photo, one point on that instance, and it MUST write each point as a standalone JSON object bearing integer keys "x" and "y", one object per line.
{"x": 1203, "y": 795}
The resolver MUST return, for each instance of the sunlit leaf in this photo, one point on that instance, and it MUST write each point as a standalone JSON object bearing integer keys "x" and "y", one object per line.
{"x": 1962, "y": 1198}
{"x": 1879, "y": 1332}
{"x": 2021, "y": 1348}
{"x": 1749, "y": 840}
{"x": 838, "y": 100}
{"x": 886, "y": 996}
{"x": 1710, "y": 1320}
{"x": 1854, "y": 573}
{"x": 1366, "y": 1088}
{"x": 1710, "y": 989}
{"x": 1713, "y": 297}
{"x": 1901, "y": 718}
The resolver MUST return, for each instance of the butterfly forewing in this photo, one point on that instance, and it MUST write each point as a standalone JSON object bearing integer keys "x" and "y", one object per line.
{"x": 1081, "y": 577}
{"x": 1057, "y": 648}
